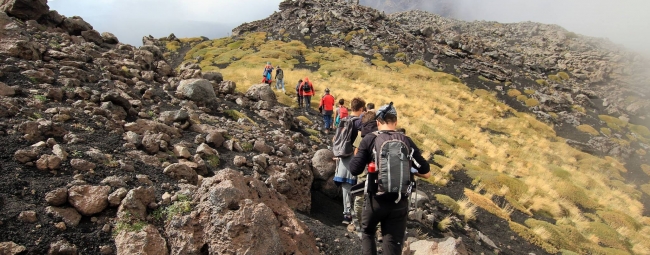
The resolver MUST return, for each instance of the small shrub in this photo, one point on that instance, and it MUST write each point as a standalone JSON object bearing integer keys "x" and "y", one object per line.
{"x": 128, "y": 227}
{"x": 448, "y": 202}
{"x": 246, "y": 146}
{"x": 486, "y": 204}
{"x": 180, "y": 207}
{"x": 579, "y": 109}
{"x": 529, "y": 91}
{"x": 554, "y": 78}
{"x": 444, "y": 224}
{"x": 508, "y": 83}
{"x": 315, "y": 139}
{"x": 305, "y": 120}
{"x": 606, "y": 131}
{"x": 514, "y": 93}
{"x": 553, "y": 115}
{"x": 522, "y": 98}
{"x": 307, "y": 37}
{"x": 400, "y": 56}
{"x": 530, "y": 236}
{"x": 531, "y": 102}
{"x": 213, "y": 160}
{"x": 467, "y": 209}
{"x": 646, "y": 169}
{"x": 563, "y": 75}
{"x": 542, "y": 82}
{"x": 419, "y": 62}
{"x": 40, "y": 98}
{"x": 312, "y": 132}
{"x": 613, "y": 122}
{"x": 173, "y": 46}
{"x": 640, "y": 130}
{"x": 481, "y": 77}
{"x": 588, "y": 129}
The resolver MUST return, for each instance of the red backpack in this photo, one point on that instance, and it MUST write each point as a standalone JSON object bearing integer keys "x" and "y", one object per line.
{"x": 343, "y": 112}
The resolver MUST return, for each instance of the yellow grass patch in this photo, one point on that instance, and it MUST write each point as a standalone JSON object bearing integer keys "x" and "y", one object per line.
{"x": 487, "y": 204}
{"x": 511, "y": 154}
{"x": 588, "y": 129}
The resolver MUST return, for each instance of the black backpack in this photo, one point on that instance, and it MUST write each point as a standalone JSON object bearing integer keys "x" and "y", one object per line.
{"x": 306, "y": 87}
{"x": 342, "y": 146}
{"x": 393, "y": 156}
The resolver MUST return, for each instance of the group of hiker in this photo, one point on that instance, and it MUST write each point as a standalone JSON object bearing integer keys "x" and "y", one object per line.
{"x": 376, "y": 164}
{"x": 376, "y": 168}
{"x": 304, "y": 89}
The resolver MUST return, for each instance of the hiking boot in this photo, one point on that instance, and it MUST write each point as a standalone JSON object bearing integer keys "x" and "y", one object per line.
{"x": 347, "y": 219}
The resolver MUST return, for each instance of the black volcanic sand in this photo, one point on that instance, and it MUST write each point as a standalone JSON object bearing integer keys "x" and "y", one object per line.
{"x": 325, "y": 218}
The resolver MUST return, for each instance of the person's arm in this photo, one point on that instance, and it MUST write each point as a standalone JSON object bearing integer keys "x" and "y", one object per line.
{"x": 363, "y": 156}
{"x": 424, "y": 171}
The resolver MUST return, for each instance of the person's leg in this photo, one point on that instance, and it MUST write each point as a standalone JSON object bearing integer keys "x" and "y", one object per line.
{"x": 372, "y": 215}
{"x": 307, "y": 103}
{"x": 282, "y": 87}
{"x": 328, "y": 121}
{"x": 347, "y": 198}
{"x": 299, "y": 102}
{"x": 393, "y": 228}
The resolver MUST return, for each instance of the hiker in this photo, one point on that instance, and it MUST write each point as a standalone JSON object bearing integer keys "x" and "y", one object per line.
{"x": 368, "y": 125}
{"x": 279, "y": 79}
{"x": 306, "y": 90}
{"x": 298, "y": 93}
{"x": 327, "y": 108}
{"x": 268, "y": 70}
{"x": 341, "y": 112}
{"x": 342, "y": 148}
{"x": 386, "y": 202}
{"x": 370, "y": 106}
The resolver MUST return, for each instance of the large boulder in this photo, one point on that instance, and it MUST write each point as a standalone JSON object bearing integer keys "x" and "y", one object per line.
{"x": 294, "y": 183}
{"x": 237, "y": 214}
{"x": 324, "y": 165}
{"x": 62, "y": 247}
{"x": 92, "y": 36}
{"x": 11, "y": 248}
{"x": 13, "y": 41}
{"x": 147, "y": 241}
{"x": 136, "y": 201}
{"x": 69, "y": 216}
{"x": 262, "y": 92}
{"x": 109, "y": 38}
{"x": 181, "y": 171}
{"x": 89, "y": 200}
{"x": 215, "y": 77}
{"x": 449, "y": 246}
{"x": 75, "y": 25}
{"x": 25, "y": 9}
{"x": 199, "y": 90}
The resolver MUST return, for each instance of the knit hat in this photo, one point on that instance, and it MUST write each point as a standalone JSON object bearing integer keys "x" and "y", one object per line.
{"x": 389, "y": 108}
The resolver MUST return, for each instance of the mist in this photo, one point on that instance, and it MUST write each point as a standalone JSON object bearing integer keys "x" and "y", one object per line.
{"x": 624, "y": 22}
{"x": 130, "y": 20}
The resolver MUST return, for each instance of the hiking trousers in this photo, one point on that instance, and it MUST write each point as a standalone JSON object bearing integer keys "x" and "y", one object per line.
{"x": 279, "y": 84}
{"x": 307, "y": 100}
{"x": 327, "y": 118}
{"x": 299, "y": 102}
{"x": 392, "y": 217}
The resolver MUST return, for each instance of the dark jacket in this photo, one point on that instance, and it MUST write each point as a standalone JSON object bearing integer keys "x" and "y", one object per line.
{"x": 364, "y": 156}
{"x": 279, "y": 74}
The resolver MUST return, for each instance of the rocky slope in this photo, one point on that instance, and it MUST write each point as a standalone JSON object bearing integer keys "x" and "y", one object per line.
{"x": 109, "y": 150}
{"x": 577, "y": 83}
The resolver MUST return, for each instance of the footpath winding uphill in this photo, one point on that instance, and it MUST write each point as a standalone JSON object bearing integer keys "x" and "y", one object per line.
{"x": 109, "y": 148}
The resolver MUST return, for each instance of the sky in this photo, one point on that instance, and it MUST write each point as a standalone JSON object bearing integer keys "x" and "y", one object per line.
{"x": 622, "y": 21}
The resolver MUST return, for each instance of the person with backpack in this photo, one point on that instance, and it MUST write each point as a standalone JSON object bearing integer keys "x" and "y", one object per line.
{"x": 327, "y": 108}
{"x": 341, "y": 112}
{"x": 298, "y": 94}
{"x": 306, "y": 91}
{"x": 370, "y": 106}
{"x": 268, "y": 70}
{"x": 343, "y": 150}
{"x": 279, "y": 77}
{"x": 389, "y": 155}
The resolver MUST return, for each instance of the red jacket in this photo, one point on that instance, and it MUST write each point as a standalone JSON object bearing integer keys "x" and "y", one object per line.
{"x": 327, "y": 102}
{"x": 303, "y": 93}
